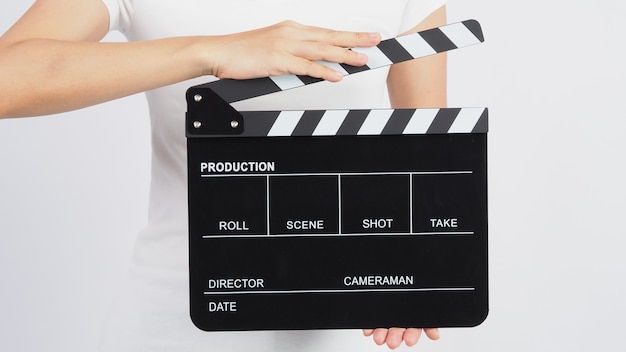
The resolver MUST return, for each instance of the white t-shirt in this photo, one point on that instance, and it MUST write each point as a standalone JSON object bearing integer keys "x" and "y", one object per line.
{"x": 152, "y": 312}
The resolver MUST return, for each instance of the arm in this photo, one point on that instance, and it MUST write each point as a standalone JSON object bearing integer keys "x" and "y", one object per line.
{"x": 420, "y": 83}
{"x": 51, "y": 60}
{"x": 417, "y": 83}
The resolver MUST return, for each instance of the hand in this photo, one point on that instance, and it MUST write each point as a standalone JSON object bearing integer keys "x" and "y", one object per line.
{"x": 284, "y": 48}
{"x": 393, "y": 337}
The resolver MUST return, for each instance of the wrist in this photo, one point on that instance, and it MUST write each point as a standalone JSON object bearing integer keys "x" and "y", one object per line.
{"x": 204, "y": 53}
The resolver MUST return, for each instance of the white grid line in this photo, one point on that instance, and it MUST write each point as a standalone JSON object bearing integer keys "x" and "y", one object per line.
{"x": 339, "y": 201}
{"x": 369, "y": 290}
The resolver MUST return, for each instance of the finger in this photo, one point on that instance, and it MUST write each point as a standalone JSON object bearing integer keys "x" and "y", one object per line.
{"x": 349, "y": 39}
{"x": 339, "y": 38}
{"x": 309, "y": 68}
{"x": 352, "y": 39}
{"x": 380, "y": 336}
{"x": 394, "y": 337}
{"x": 368, "y": 332}
{"x": 322, "y": 51}
{"x": 432, "y": 333}
{"x": 412, "y": 336}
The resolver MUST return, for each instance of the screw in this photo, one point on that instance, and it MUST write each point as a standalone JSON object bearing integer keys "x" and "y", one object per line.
{"x": 234, "y": 124}
{"x": 197, "y": 124}
{"x": 197, "y": 98}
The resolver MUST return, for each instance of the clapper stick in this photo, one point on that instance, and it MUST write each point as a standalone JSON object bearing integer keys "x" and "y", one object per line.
{"x": 217, "y": 96}
{"x": 387, "y": 52}
{"x": 330, "y": 219}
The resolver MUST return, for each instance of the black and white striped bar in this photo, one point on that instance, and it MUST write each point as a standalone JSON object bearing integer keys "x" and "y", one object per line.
{"x": 364, "y": 122}
{"x": 388, "y": 52}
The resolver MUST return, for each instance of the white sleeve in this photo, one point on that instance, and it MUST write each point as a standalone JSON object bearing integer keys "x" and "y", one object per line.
{"x": 417, "y": 10}
{"x": 120, "y": 14}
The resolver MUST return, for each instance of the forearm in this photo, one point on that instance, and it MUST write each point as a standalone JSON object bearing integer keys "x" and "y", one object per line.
{"x": 43, "y": 76}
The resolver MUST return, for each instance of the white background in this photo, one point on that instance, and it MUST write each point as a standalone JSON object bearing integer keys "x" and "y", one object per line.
{"x": 73, "y": 189}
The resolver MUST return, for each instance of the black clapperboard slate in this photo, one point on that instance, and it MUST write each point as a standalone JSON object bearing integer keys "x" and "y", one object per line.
{"x": 337, "y": 218}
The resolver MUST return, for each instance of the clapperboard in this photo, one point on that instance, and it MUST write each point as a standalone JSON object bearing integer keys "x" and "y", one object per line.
{"x": 337, "y": 218}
